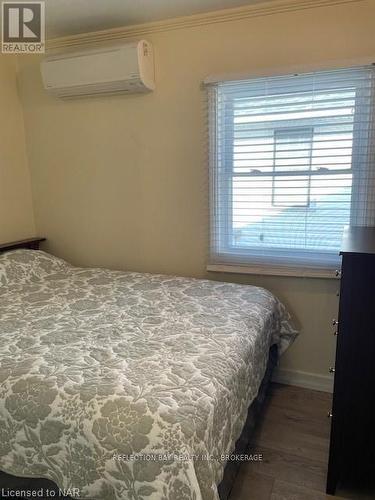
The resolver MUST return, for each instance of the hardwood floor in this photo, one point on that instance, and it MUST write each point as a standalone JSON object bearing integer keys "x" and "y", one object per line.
{"x": 294, "y": 439}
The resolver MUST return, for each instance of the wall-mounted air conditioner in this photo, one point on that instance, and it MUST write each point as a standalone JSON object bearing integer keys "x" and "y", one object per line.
{"x": 127, "y": 68}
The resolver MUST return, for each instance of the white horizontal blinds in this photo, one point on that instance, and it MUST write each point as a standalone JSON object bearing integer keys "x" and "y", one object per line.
{"x": 363, "y": 189}
{"x": 292, "y": 163}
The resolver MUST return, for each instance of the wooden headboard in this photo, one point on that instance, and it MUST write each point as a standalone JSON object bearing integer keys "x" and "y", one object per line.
{"x": 31, "y": 244}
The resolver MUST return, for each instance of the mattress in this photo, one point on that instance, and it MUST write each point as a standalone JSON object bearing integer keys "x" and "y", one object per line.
{"x": 122, "y": 385}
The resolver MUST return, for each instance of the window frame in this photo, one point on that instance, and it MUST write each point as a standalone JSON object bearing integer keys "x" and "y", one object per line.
{"x": 292, "y": 173}
{"x": 220, "y": 195}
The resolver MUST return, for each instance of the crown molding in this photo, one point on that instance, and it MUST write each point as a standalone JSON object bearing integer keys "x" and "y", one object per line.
{"x": 221, "y": 16}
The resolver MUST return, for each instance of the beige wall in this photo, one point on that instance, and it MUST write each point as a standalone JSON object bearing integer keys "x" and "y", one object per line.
{"x": 122, "y": 181}
{"x": 16, "y": 214}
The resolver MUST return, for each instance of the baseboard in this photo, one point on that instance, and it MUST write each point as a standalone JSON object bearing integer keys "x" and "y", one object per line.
{"x": 304, "y": 379}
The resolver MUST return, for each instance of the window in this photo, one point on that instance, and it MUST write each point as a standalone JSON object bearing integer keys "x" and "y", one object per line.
{"x": 291, "y": 164}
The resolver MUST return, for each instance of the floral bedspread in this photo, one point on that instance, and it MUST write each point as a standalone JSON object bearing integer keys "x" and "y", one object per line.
{"x": 126, "y": 385}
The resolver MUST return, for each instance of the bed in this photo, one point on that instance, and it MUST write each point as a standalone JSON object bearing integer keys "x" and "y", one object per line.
{"x": 122, "y": 385}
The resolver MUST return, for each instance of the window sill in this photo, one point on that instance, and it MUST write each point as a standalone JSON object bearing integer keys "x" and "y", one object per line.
{"x": 273, "y": 271}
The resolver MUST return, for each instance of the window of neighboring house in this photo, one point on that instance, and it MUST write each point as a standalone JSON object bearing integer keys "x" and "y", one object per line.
{"x": 291, "y": 163}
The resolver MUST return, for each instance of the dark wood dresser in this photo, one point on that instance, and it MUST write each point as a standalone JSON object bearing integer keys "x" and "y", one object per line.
{"x": 352, "y": 446}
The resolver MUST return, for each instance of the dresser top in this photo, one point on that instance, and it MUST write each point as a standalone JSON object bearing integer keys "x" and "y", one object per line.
{"x": 358, "y": 240}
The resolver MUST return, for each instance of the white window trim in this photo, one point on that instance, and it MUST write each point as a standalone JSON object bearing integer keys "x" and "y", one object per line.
{"x": 290, "y": 69}
{"x": 297, "y": 272}
{"x": 274, "y": 269}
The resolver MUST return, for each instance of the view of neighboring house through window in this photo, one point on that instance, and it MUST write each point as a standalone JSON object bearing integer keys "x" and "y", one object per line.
{"x": 289, "y": 158}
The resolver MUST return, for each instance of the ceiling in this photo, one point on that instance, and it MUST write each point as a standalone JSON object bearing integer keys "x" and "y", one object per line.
{"x": 70, "y": 17}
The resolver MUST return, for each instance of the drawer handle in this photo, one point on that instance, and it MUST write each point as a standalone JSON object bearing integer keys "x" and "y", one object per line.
{"x": 330, "y": 414}
{"x": 338, "y": 274}
{"x": 331, "y": 369}
{"x": 335, "y": 322}
{"x": 335, "y": 333}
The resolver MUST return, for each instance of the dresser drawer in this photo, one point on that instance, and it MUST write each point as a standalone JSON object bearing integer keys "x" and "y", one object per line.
{"x": 352, "y": 444}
